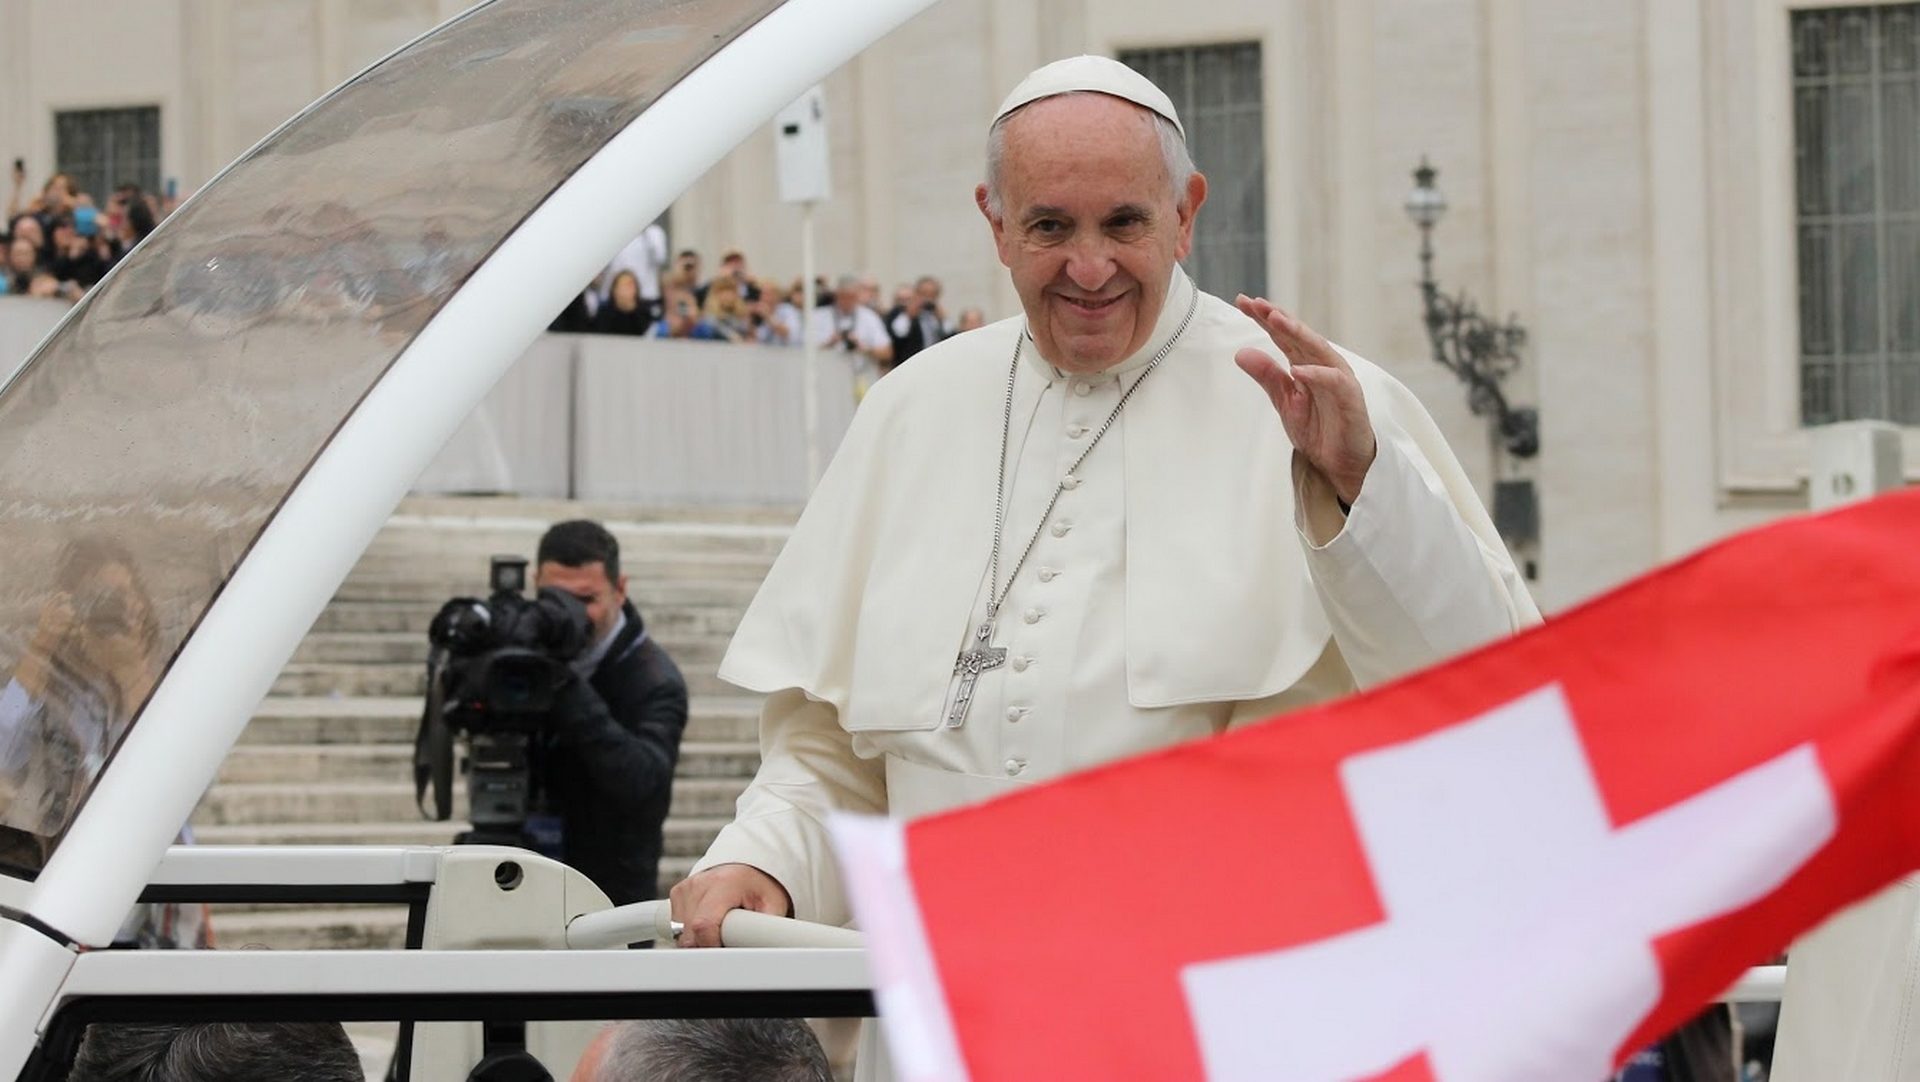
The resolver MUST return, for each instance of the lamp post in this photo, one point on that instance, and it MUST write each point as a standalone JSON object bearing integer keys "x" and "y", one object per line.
{"x": 1481, "y": 352}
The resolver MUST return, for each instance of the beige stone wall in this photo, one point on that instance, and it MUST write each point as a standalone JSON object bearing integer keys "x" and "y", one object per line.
{"x": 1618, "y": 175}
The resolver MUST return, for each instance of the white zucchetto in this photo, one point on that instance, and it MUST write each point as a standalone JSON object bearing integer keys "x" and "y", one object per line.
{"x": 1095, "y": 75}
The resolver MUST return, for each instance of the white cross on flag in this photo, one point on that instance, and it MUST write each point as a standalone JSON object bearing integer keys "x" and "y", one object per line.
{"x": 1524, "y": 864}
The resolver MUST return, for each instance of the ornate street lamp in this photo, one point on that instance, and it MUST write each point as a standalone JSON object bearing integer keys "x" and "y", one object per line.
{"x": 1471, "y": 346}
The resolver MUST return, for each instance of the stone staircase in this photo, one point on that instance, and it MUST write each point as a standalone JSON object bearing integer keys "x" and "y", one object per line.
{"x": 327, "y": 759}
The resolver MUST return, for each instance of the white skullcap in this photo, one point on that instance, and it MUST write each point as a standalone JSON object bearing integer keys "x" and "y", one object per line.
{"x": 1091, "y": 74}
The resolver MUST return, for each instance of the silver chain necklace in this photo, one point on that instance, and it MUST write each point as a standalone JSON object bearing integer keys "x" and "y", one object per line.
{"x": 982, "y": 656}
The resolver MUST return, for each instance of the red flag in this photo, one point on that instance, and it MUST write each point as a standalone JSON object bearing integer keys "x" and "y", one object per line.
{"x": 1523, "y": 864}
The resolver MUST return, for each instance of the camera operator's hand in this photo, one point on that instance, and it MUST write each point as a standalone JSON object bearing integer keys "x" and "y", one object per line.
{"x": 701, "y": 901}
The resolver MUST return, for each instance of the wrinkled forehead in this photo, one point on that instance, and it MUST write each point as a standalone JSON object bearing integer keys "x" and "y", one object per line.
{"x": 1080, "y": 110}
{"x": 1083, "y": 145}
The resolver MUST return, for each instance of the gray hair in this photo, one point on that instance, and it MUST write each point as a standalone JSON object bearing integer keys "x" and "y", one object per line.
{"x": 714, "y": 1050}
{"x": 216, "y": 1052}
{"x": 1173, "y": 152}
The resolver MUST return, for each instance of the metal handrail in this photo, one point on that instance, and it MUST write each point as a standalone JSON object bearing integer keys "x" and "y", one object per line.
{"x": 643, "y": 922}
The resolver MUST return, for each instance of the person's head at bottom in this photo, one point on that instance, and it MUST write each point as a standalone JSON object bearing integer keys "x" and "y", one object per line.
{"x": 705, "y": 1050}
{"x": 216, "y": 1052}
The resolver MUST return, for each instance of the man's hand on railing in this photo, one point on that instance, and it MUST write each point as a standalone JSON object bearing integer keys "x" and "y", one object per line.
{"x": 702, "y": 901}
{"x": 653, "y": 922}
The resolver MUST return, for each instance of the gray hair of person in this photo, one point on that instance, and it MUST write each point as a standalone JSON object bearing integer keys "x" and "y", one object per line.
{"x": 1173, "y": 152}
{"x": 714, "y": 1050}
{"x": 216, "y": 1052}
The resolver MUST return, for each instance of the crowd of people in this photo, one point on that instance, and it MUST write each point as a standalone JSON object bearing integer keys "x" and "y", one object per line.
{"x": 648, "y": 291}
{"x": 60, "y": 241}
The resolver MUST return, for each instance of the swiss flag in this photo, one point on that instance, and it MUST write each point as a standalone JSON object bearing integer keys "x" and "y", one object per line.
{"x": 1523, "y": 864}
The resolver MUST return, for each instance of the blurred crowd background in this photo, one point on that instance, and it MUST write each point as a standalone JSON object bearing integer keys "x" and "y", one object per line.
{"x": 649, "y": 289}
{"x": 60, "y": 241}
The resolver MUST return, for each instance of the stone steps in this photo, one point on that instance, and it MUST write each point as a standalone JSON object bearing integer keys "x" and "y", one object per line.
{"x": 684, "y": 835}
{"x": 412, "y": 617}
{"x": 327, "y": 758}
{"x": 409, "y": 648}
{"x": 650, "y": 595}
{"x": 535, "y": 514}
{"x": 329, "y": 720}
{"x": 401, "y": 679}
{"x": 232, "y": 804}
{"x": 666, "y": 580}
{"x": 297, "y": 764}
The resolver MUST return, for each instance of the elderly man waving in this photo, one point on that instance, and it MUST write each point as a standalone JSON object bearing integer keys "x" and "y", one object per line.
{"x": 1113, "y": 523}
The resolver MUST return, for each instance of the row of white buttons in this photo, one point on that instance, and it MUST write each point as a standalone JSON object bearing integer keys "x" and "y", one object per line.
{"x": 1047, "y": 574}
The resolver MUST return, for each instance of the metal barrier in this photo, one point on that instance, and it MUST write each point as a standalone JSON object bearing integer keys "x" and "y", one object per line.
{"x": 653, "y": 422}
{"x": 647, "y": 421}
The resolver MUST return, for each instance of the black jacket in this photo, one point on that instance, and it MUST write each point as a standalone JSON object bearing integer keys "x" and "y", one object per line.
{"x": 611, "y": 320}
{"x": 910, "y": 343}
{"x": 609, "y": 760}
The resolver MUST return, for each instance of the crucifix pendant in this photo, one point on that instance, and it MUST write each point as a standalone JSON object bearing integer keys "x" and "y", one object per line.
{"x": 968, "y": 667}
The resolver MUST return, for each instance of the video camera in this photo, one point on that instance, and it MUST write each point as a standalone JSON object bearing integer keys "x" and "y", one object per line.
{"x": 493, "y": 673}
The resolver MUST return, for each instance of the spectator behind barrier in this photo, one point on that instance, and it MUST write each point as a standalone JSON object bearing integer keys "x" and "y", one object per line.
{"x": 705, "y": 1050}
{"x": 626, "y": 311}
{"x": 683, "y": 317}
{"x": 23, "y": 259}
{"x": 727, "y": 312}
{"x": 216, "y": 1052}
{"x": 686, "y": 275}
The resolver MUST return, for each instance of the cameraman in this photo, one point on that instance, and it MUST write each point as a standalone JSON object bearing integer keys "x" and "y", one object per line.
{"x": 607, "y": 761}
{"x": 855, "y": 330}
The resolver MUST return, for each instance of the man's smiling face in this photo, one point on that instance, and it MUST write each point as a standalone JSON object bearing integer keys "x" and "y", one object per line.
{"x": 1089, "y": 225}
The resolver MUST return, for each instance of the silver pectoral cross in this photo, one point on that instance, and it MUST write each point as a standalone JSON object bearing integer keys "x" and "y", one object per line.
{"x": 968, "y": 667}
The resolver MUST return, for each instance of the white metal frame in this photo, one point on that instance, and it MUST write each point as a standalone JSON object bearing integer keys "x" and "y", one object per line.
{"x": 347, "y": 974}
{"x": 296, "y": 865}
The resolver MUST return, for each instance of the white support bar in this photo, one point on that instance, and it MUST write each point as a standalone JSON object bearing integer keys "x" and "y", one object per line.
{"x": 640, "y": 922}
{"x": 351, "y": 973}
{"x": 644, "y": 922}
{"x": 296, "y": 865}
{"x": 744, "y": 928}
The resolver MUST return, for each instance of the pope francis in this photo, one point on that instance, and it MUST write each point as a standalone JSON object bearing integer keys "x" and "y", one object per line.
{"x": 1112, "y": 523}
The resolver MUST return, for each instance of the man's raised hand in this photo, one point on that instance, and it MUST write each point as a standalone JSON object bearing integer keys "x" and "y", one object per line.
{"x": 702, "y": 900}
{"x": 1320, "y": 402}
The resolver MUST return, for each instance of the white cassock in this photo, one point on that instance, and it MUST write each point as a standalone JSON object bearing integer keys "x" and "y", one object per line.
{"x": 1196, "y": 575}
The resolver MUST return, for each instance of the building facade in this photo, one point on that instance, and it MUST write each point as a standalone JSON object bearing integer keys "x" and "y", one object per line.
{"x": 1706, "y": 213}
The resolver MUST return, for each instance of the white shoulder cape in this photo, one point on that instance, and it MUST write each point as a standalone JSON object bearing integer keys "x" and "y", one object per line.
{"x": 873, "y": 591}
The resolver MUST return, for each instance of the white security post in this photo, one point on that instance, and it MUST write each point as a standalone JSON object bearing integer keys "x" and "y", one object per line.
{"x": 805, "y": 164}
{"x": 1849, "y": 1000}
{"x": 1853, "y": 460}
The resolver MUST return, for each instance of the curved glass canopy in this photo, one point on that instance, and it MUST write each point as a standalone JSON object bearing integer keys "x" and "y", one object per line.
{"x": 144, "y": 447}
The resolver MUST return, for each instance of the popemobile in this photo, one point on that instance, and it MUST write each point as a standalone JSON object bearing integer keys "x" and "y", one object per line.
{"x": 243, "y": 402}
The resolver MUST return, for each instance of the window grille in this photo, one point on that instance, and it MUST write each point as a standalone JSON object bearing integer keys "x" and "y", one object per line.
{"x": 1856, "y": 106}
{"x": 1217, "y": 91}
{"x": 105, "y": 148}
